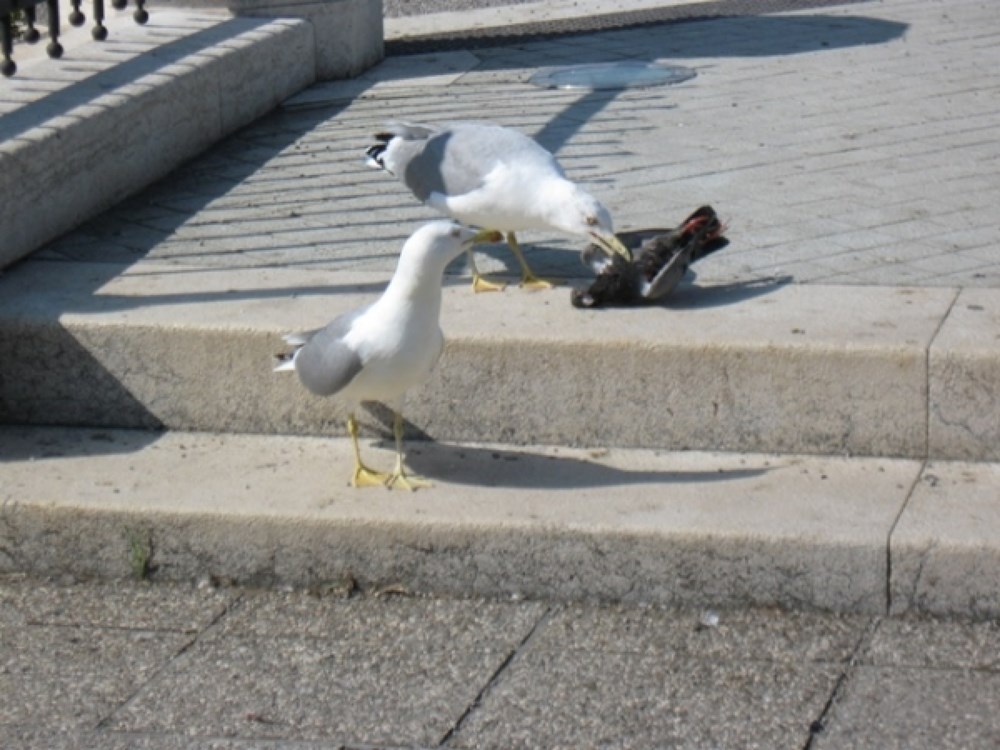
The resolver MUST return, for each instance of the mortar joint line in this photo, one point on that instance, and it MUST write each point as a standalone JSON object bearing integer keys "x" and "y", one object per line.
{"x": 819, "y": 724}
{"x": 103, "y": 722}
{"x": 511, "y": 658}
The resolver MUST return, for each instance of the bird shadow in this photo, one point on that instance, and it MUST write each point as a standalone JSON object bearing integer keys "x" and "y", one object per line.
{"x": 690, "y": 296}
{"x": 485, "y": 466}
{"x": 526, "y": 469}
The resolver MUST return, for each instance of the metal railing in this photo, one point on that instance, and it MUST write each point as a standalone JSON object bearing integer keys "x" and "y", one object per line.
{"x": 14, "y": 12}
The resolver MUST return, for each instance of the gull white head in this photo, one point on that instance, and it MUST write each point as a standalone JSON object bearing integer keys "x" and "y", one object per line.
{"x": 434, "y": 245}
{"x": 575, "y": 211}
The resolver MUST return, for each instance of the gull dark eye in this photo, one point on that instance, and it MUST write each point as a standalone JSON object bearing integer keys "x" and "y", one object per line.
{"x": 592, "y": 221}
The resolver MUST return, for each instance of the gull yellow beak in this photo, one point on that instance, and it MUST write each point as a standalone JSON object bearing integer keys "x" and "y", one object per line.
{"x": 486, "y": 235}
{"x": 612, "y": 244}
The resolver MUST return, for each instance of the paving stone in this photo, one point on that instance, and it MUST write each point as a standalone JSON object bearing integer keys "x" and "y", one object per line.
{"x": 36, "y": 738}
{"x": 559, "y": 699}
{"x": 363, "y": 692}
{"x": 934, "y": 644}
{"x": 735, "y": 634}
{"x": 73, "y": 677}
{"x": 422, "y": 623}
{"x": 898, "y": 709}
{"x": 113, "y": 604}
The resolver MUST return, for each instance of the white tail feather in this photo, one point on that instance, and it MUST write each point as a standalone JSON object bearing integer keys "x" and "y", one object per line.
{"x": 297, "y": 339}
{"x": 286, "y": 362}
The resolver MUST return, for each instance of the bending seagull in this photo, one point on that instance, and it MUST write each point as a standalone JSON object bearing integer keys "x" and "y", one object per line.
{"x": 490, "y": 176}
{"x": 378, "y": 352}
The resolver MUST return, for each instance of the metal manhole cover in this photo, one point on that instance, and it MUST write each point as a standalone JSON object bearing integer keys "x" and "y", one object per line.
{"x": 603, "y": 76}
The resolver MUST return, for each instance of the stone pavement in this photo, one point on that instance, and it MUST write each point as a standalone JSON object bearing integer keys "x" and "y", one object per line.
{"x": 104, "y": 666}
{"x": 847, "y": 145}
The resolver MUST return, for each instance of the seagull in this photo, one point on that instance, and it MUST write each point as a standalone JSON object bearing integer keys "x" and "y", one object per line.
{"x": 662, "y": 260}
{"x": 487, "y": 175}
{"x": 378, "y": 352}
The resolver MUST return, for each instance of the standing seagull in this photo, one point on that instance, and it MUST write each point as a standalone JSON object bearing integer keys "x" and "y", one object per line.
{"x": 380, "y": 351}
{"x": 490, "y": 176}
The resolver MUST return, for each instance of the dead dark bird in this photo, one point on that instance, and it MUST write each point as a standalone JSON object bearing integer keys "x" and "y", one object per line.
{"x": 661, "y": 257}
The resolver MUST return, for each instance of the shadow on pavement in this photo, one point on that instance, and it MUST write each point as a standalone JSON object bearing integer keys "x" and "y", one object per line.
{"x": 689, "y": 296}
{"x": 31, "y": 444}
{"x": 498, "y": 467}
{"x": 700, "y": 30}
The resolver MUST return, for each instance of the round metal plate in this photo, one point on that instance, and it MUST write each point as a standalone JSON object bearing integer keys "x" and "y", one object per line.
{"x": 603, "y": 76}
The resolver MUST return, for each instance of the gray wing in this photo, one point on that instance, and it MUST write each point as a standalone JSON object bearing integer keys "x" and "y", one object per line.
{"x": 456, "y": 159}
{"x": 668, "y": 277}
{"x": 324, "y": 362}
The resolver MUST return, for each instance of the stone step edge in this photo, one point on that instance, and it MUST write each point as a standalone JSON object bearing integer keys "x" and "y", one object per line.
{"x": 790, "y": 369}
{"x": 708, "y": 529}
{"x": 83, "y": 148}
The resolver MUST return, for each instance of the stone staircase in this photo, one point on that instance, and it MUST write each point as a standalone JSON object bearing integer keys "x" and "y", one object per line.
{"x": 836, "y": 449}
{"x": 804, "y": 464}
{"x": 79, "y": 134}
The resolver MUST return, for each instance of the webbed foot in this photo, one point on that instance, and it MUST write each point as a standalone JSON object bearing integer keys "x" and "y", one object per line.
{"x": 481, "y": 284}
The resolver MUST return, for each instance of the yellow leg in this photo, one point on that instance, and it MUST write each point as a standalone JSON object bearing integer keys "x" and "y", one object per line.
{"x": 363, "y": 476}
{"x": 480, "y": 284}
{"x": 399, "y": 477}
{"x": 528, "y": 278}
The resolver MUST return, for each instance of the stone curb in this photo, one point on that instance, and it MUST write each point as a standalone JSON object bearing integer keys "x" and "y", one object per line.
{"x": 711, "y": 529}
{"x": 80, "y": 134}
{"x": 904, "y": 372}
{"x": 83, "y": 148}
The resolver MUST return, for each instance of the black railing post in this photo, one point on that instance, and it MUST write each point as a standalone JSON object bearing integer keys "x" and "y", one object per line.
{"x": 7, "y": 67}
{"x": 54, "y": 48}
{"x": 31, "y": 35}
{"x": 99, "y": 32}
{"x": 76, "y": 17}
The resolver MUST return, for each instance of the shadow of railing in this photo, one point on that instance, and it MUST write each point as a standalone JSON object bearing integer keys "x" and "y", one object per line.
{"x": 769, "y": 36}
{"x": 84, "y": 91}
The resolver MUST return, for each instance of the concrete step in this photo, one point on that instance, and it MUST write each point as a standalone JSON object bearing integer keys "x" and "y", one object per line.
{"x": 712, "y": 529}
{"x": 79, "y": 134}
{"x": 911, "y": 372}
